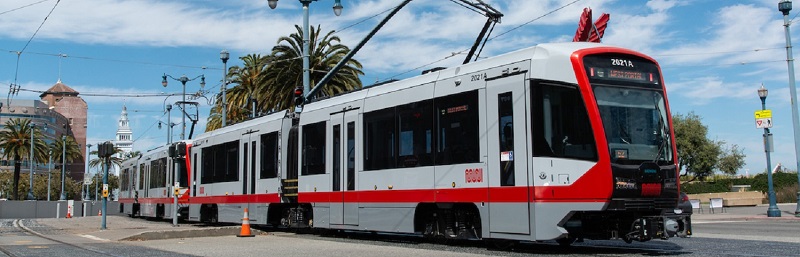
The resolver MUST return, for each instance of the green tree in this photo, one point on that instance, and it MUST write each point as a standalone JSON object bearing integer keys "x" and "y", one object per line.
{"x": 731, "y": 160}
{"x": 326, "y": 52}
{"x": 249, "y": 81}
{"x": 15, "y": 141}
{"x": 270, "y": 80}
{"x": 68, "y": 145}
{"x": 113, "y": 183}
{"x": 114, "y": 160}
{"x": 699, "y": 157}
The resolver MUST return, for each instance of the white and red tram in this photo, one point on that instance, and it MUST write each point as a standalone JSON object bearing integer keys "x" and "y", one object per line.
{"x": 557, "y": 141}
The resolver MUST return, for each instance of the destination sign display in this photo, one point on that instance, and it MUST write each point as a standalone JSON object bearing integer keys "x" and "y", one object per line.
{"x": 621, "y": 74}
{"x": 622, "y": 69}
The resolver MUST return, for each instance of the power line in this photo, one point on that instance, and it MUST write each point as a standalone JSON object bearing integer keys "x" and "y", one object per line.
{"x": 719, "y": 52}
{"x": 534, "y": 19}
{"x": 116, "y": 60}
{"x": 40, "y": 27}
{"x": 29, "y": 5}
{"x": 489, "y": 39}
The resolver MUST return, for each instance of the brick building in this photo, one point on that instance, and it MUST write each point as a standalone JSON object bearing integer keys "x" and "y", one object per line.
{"x": 66, "y": 101}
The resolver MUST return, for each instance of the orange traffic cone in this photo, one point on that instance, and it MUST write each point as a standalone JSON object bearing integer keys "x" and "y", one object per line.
{"x": 100, "y": 213}
{"x": 69, "y": 216}
{"x": 245, "y": 232}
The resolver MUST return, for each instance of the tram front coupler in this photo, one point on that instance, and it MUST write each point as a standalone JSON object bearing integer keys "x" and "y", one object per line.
{"x": 646, "y": 228}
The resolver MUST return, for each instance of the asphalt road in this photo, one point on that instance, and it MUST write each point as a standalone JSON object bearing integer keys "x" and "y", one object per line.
{"x": 737, "y": 232}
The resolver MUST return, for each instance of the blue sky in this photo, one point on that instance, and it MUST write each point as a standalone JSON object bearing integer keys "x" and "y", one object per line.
{"x": 714, "y": 54}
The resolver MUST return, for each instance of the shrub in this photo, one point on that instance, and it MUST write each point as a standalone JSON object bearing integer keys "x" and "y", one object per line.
{"x": 787, "y": 194}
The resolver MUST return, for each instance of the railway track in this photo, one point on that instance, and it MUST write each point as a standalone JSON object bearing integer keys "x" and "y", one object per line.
{"x": 17, "y": 228}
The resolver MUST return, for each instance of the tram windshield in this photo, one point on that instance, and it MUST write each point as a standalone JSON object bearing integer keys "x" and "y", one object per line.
{"x": 636, "y": 124}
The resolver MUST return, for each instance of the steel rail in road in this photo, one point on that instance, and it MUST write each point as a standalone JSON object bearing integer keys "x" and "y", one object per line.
{"x": 18, "y": 224}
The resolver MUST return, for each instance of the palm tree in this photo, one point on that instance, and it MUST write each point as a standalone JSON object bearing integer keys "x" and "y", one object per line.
{"x": 72, "y": 149}
{"x": 287, "y": 73}
{"x": 270, "y": 80}
{"x": 15, "y": 142}
{"x": 114, "y": 160}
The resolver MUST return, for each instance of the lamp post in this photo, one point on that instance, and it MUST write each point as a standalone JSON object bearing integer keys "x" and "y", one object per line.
{"x": 183, "y": 79}
{"x": 30, "y": 164}
{"x": 49, "y": 172}
{"x": 784, "y": 7}
{"x": 169, "y": 124}
{"x": 337, "y": 9}
{"x": 773, "y": 210}
{"x": 224, "y": 56}
{"x": 63, "y": 165}
{"x": 83, "y": 183}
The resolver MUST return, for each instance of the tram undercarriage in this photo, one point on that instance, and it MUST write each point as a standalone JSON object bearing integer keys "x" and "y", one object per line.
{"x": 625, "y": 225}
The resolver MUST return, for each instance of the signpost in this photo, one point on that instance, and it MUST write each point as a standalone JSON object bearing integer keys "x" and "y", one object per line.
{"x": 763, "y": 119}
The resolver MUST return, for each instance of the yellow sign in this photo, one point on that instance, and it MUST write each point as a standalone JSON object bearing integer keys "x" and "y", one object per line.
{"x": 177, "y": 191}
{"x": 105, "y": 190}
{"x": 763, "y": 114}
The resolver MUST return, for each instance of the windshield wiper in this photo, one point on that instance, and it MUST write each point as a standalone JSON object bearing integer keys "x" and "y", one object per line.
{"x": 663, "y": 127}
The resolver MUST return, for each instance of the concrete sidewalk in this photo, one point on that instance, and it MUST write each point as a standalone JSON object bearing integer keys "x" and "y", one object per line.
{"x": 120, "y": 228}
{"x": 744, "y": 213}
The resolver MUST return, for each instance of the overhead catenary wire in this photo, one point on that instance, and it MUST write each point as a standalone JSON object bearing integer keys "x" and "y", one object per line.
{"x": 24, "y": 6}
{"x": 487, "y": 40}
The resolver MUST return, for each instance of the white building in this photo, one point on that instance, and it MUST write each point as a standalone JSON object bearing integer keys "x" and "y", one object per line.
{"x": 124, "y": 139}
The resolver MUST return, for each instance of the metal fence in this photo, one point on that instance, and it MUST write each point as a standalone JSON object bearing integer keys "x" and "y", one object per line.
{"x": 53, "y": 209}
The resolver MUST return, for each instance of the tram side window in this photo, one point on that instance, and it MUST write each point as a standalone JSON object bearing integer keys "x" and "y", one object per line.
{"x": 183, "y": 173}
{"x": 379, "y": 140}
{"x": 269, "y": 155}
{"x": 207, "y": 166}
{"x": 313, "y": 149}
{"x": 123, "y": 180}
{"x": 220, "y": 163}
{"x": 561, "y": 126}
{"x": 457, "y": 126}
{"x": 141, "y": 176}
{"x": 415, "y": 123}
{"x": 154, "y": 173}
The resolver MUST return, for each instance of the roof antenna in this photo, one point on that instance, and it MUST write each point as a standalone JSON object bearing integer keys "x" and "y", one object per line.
{"x": 60, "y": 56}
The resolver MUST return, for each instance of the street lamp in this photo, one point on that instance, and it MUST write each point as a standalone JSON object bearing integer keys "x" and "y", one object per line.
{"x": 49, "y": 172}
{"x": 784, "y": 7}
{"x": 63, "y": 165}
{"x": 30, "y": 164}
{"x": 83, "y": 183}
{"x": 337, "y": 9}
{"x": 773, "y": 210}
{"x": 183, "y": 79}
{"x": 224, "y": 56}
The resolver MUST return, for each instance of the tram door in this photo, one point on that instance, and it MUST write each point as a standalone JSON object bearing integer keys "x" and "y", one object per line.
{"x": 509, "y": 197}
{"x": 248, "y": 145}
{"x": 344, "y": 203}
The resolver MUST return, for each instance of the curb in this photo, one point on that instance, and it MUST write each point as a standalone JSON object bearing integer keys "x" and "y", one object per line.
{"x": 172, "y": 234}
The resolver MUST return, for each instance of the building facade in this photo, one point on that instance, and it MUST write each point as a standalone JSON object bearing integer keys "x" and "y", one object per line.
{"x": 66, "y": 101}
{"x": 44, "y": 118}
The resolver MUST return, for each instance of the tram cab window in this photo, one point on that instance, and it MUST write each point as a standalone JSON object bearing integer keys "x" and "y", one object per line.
{"x": 560, "y": 123}
{"x": 313, "y": 149}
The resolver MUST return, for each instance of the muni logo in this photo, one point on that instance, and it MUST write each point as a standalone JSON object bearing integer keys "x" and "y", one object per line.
{"x": 473, "y": 175}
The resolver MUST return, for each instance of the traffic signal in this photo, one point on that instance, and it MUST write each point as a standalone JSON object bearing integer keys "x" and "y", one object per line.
{"x": 172, "y": 151}
{"x": 180, "y": 149}
{"x": 298, "y": 96}
{"x": 105, "y": 149}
